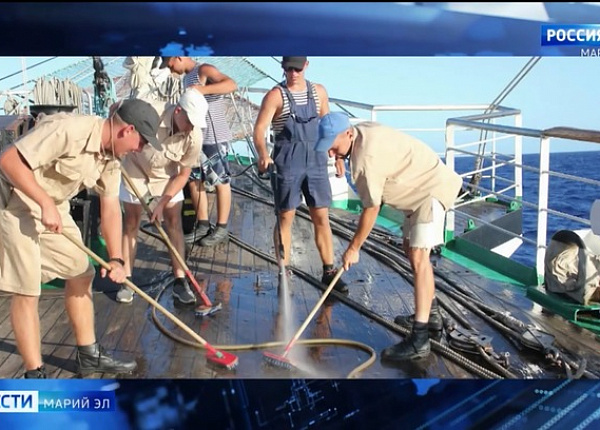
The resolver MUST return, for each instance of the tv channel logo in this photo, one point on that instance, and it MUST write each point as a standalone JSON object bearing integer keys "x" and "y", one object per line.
{"x": 571, "y": 35}
{"x": 33, "y": 401}
{"x": 19, "y": 401}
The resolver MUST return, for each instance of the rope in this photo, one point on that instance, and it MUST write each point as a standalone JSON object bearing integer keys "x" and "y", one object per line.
{"x": 148, "y": 82}
{"x": 381, "y": 250}
{"x": 54, "y": 91}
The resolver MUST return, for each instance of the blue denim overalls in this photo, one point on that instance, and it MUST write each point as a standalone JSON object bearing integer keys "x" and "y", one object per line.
{"x": 301, "y": 169}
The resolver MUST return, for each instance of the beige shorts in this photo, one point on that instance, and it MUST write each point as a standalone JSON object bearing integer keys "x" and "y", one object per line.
{"x": 126, "y": 197}
{"x": 426, "y": 235}
{"x": 30, "y": 256}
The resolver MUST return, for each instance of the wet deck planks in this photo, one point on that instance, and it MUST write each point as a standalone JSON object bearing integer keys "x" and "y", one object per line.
{"x": 246, "y": 285}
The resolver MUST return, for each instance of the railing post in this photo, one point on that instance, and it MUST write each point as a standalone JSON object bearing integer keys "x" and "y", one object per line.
{"x": 542, "y": 223}
{"x": 518, "y": 159}
{"x": 449, "y": 229}
{"x": 493, "y": 171}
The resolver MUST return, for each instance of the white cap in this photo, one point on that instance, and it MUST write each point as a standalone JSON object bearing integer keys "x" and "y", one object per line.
{"x": 195, "y": 106}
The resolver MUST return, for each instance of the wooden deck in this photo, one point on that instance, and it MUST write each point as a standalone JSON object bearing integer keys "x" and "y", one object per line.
{"x": 246, "y": 285}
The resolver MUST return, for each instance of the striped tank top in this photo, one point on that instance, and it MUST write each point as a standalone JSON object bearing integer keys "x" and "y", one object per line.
{"x": 217, "y": 128}
{"x": 300, "y": 98}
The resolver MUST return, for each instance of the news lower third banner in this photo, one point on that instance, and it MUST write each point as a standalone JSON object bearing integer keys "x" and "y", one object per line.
{"x": 36, "y": 401}
{"x": 574, "y": 39}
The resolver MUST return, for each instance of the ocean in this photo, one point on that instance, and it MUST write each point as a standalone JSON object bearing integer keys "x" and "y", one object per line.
{"x": 564, "y": 195}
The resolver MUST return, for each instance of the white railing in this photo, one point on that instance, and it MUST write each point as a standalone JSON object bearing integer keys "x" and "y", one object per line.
{"x": 536, "y": 201}
{"x": 497, "y": 137}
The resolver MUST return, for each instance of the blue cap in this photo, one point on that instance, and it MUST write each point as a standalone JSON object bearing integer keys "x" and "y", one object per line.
{"x": 330, "y": 126}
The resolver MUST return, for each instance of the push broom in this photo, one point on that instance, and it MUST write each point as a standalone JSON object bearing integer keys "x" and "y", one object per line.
{"x": 219, "y": 358}
{"x": 205, "y": 309}
{"x": 282, "y": 360}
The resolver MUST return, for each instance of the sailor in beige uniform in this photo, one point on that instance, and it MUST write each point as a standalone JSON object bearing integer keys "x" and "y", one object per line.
{"x": 40, "y": 172}
{"x": 391, "y": 167}
{"x": 161, "y": 171}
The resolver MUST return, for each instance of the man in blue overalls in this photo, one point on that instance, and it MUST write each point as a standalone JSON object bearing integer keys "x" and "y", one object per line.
{"x": 292, "y": 109}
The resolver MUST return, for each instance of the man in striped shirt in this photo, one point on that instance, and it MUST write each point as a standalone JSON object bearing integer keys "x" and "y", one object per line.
{"x": 292, "y": 109}
{"x": 214, "y": 171}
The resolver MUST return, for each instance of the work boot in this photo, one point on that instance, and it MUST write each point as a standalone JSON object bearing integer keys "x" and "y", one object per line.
{"x": 182, "y": 291}
{"x": 94, "y": 358}
{"x": 416, "y": 345}
{"x": 198, "y": 234}
{"x": 340, "y": 285}
{"x": 218, "y": 235}
{"x": 125, "y": 294}
{"x": 435, "y": 323}
{"x": 39, "y": 373}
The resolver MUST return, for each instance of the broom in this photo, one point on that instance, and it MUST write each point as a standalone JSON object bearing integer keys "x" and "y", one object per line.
{"x": 220, "y": 358}
{"x": 282, "y": 360}
{"x": 207, "y": 308}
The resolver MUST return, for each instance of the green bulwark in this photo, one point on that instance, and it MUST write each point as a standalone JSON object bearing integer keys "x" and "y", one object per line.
{"x": 587, "y": 317}
{"x": 518, "y": 273}
{"x": 98, "y": 246}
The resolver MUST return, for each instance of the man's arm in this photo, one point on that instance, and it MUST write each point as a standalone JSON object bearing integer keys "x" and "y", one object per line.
{"x": 214, "y": 82}
{"x": 19, "y": 173}
{"x": 365, "y": 225}
{"x": 270, "y": 103}
{"x": 176, "y": 184}
{"x": 324, "y": 99}
{"x": 367, "y": 220}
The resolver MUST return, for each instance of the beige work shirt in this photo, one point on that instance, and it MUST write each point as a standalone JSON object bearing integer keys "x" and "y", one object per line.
{"x": 64, "y": 152}
{"x": 392, "y": 167}
{"x": 152, "y": 169}
{"x": 65, "y": 155}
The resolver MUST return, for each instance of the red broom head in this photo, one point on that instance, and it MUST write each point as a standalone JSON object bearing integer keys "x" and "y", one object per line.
{"x": 277, "y": 360}
{"x": 222, "y": 359}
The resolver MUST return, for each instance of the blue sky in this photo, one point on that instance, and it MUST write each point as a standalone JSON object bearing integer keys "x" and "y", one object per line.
{"x": 558, "y": 91}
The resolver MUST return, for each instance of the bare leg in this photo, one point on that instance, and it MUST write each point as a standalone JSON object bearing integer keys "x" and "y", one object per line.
{"x": 174, "y": 229}
{"x": 25, "y": 322}
{"x": 323, "y": 235}
{"x": 286, "y": 219}
{"x": 80, "y": 308}
{"x": 223, "y": 203}
{"x": 131, "y": 225}
{"x": 424, "y": 283}
{"x": 199, "y": 200}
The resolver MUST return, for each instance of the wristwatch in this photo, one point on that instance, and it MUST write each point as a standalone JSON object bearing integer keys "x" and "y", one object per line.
{"x": 118, "y": 260}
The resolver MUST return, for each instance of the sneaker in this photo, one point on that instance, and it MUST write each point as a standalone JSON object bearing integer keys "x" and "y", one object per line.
{"x": 198, "y": 234}
{"x": 125, "y": 294}
{"x": 39, "y": 373}
{"x": 94, "y": 358}
{"x": 217, "y": 236}
{"x": 340, "y": 285}
{"x": 182, "y": 291}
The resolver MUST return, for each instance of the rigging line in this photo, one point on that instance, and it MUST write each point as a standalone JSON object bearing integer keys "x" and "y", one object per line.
{"x": 476, "y": 177}
{"x": 28, "y": 68}
{"x": 513, "y": 83}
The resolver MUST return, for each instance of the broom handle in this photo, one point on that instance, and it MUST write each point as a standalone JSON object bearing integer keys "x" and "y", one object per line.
{"x": 314, "y": 311}
{"x": 145, "y": 296}
{"x": 163, "y": 234}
